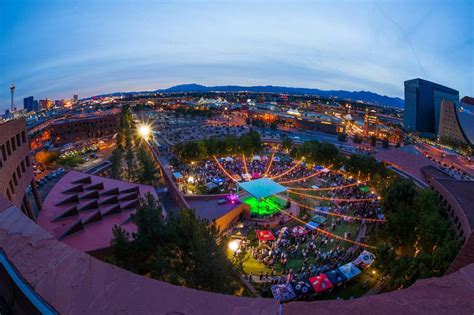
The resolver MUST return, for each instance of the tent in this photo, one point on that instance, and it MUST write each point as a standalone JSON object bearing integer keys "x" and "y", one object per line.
{"x": 255, "y": 175}
{"x": 318, "y": 219}
{"x": 178, "y": 176}
{"x": 228, "y": 159}
{"x": 349, "y": 270}
{"x": 218, "y": 181}
{"x": 320, "y": 283}
{"x": 265, "y": 235}
{"x": 262, "y": 188}
{"x": 302, "y": 287}
{"x": 256, "y": 158}
{"x": 298, "y": 231}
{"x": 283, "y": 292}
{"x": 276, "y": 159}
{"x": 210, "y": 186}
{"x": 237, "y": 177}
{"x": 336, "y": 276}
{"x": 246, "y": 176}
{"x": 321, "y": 210}
{"x": 312, "y": 225}
{"x": 365, "y": 258}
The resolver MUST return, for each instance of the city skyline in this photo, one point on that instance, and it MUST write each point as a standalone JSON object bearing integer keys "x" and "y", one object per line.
{"x": 56, "y": 50}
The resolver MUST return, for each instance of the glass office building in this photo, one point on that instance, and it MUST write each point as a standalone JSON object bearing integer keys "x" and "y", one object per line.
{"x": 422, "y": 105}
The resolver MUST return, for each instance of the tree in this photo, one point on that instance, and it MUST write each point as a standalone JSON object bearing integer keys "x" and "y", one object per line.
{"x": 357, "y": 139}
{"x": 130, "y": 158}
{"x": 342, "y": 137}
{"x": 373, "y": 141}
{"x": 116, "y": 160}
{"x": 148, "y": 171}
{"x": 287, "y": 143}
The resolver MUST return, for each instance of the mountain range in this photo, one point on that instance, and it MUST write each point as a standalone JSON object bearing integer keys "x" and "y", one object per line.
{"x": 365, "y": 96}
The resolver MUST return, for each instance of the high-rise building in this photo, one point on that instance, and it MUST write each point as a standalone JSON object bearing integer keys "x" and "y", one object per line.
{"x": 422, "y": 105}
{"x": 75, "y": 99}
{"x": 12, "y": 91}
{"x": 29, "y": 104}
{"x": 456, "y": 124}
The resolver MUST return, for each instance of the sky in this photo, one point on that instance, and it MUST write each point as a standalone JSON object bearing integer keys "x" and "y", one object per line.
{"x": 54, "y": 48}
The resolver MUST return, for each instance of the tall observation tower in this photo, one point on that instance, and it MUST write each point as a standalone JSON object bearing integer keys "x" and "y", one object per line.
{"x": 12, "y": 91}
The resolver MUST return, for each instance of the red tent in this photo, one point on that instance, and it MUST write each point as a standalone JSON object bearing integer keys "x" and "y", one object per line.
{"x": 255, "y": 175}
{"x": 320, "y": 283}
{"x": 265, "y": 235}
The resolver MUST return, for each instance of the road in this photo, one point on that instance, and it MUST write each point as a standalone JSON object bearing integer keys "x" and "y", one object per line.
{"x": 450, "y": 158}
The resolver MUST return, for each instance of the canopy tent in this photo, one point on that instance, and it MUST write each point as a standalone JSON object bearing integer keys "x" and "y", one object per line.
{"x": 365, "y": 258}
{"x": 262, "y": 188}
{"x": 302, "y": 287}
{"x": 217, "y": 180}
{"x": 228, "y": 159}
{"x": 318, "y": 219}
{"x": 322, "y": 210}
{"x": 276, "y": 159}
{"x": 349, "y": 270}
{"x": 178, "y": 176}
{"x": 256, "y": 158}
{"x": 211, "y": 185}
{"x": 237, "y": 177}
{"x": 283, "y": 292}
{"x": 311, "y": 225}
{"x": 246, "y": 176}
{"x": 265, "y": 235}
{"x": 255, "y": 175}
{"x": 298, "y": 231}
{"x": 336, "y": 276}
{"x": 320, "y": 283}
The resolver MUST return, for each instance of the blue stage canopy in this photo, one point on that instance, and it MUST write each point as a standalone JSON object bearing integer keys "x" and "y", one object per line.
{"x": 262, "y": 188}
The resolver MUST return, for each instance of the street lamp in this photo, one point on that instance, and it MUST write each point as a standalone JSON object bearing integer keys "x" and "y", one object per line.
{"x": 144, "y": 131}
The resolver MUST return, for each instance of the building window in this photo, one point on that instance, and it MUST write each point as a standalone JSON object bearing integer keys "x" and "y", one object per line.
{"x": 4, "y": 152}
{"x": 13, "y": 144}
{"x": 15, "y": 179}
{"x": 18, "y": 171}
{"x": 11, "y": 186}
{"x": 23, "y": 136}
{"x": 28, "y": 163}
{"x": 18, "y": 141}
{"x": 9, "y": 148}
{"x": 23, "y": 168}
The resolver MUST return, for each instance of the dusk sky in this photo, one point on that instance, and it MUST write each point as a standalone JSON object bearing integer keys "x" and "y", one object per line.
{"x": 56, "y": 48}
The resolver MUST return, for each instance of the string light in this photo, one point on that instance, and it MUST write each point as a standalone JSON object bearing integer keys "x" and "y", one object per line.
{"x": 245, "y": 164}
{"x": 333, "y": 213}
{"x": 269, "y": 165}
{"x": 328, "y": 188}
{"x": 223, "y": 169}
{"x": 288, "y": 171}
{"x": 328, "y": 233}
{"x": 300, "y": 179}
{"x": 334, "y": 199}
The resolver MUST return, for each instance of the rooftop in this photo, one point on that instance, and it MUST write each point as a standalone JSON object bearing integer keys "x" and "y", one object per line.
{"x": 262, "y": 187}
{"x": 81, "y": 209}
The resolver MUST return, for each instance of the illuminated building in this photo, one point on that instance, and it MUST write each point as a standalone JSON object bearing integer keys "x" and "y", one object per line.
{"x": 456, "y": 123}
{"x": 370, "y": 122}
{"x": 83, "y": 128}
{"x": 422, "y": 105}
